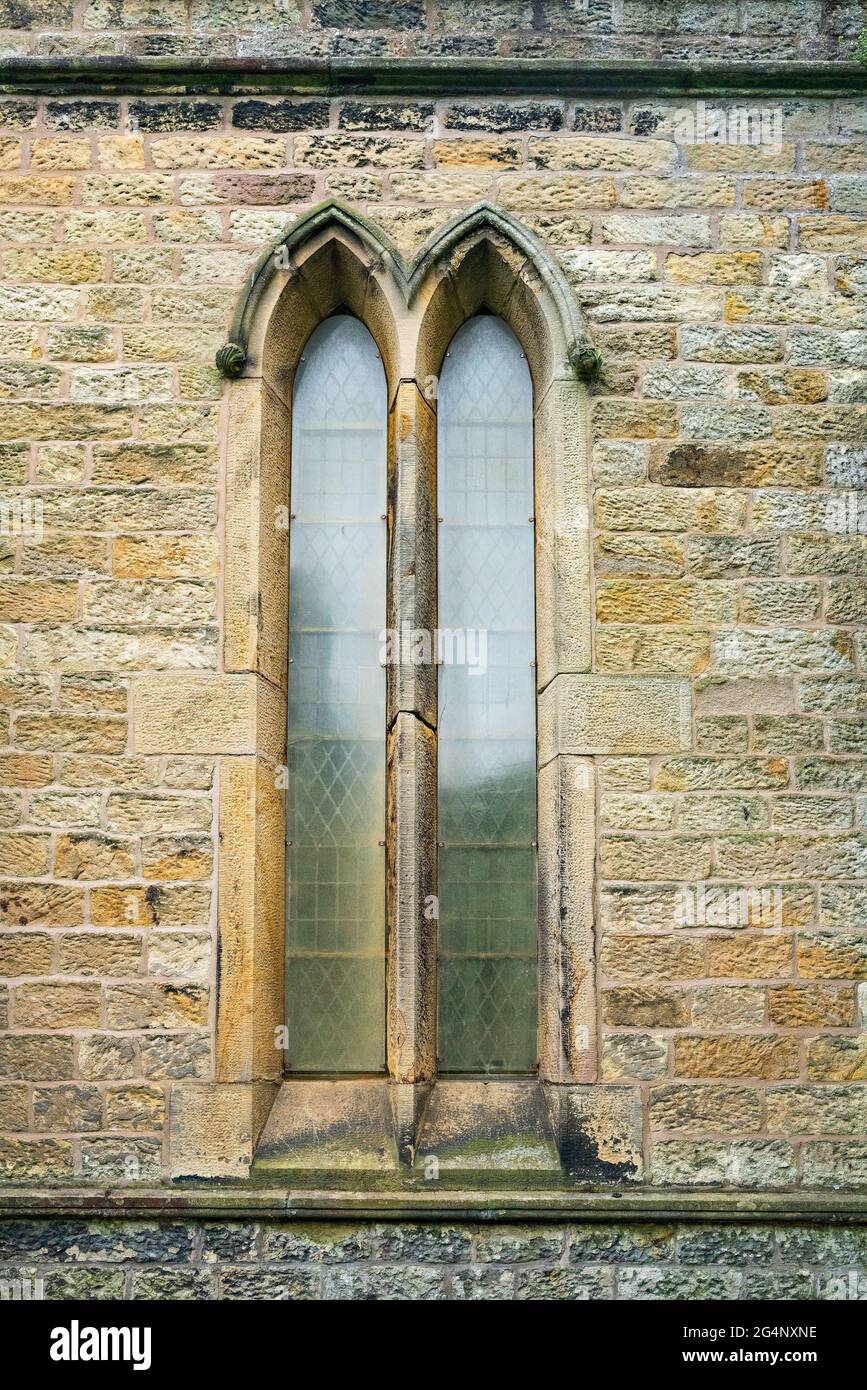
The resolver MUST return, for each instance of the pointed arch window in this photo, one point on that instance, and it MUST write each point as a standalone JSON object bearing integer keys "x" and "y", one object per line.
{"x": 336, "y": 836}
{"x": 487, "y": 705}
{"x": 438, "y": 926}
{"x": 335, "y": 861}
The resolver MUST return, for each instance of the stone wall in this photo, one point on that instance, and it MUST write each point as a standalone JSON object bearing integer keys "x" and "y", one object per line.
{"x": 324, "y": 1260}
{"x": 757, "y": 31}
{"x": 724, "y": 285}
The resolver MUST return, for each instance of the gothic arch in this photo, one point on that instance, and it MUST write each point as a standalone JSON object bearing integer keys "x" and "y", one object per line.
{"x": 526, "y": 267}
{"x": 330, "y": 259}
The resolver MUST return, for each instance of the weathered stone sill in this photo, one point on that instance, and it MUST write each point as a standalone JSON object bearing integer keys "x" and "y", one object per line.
{"x": 233, "y": 1202}
{"x": 427, "y": 76}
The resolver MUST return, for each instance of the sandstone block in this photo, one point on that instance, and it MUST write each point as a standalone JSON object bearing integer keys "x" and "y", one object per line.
{"x": 595, "y": 714}
{"x": 211, "y": 1130}
{"x": 231, "y": 714}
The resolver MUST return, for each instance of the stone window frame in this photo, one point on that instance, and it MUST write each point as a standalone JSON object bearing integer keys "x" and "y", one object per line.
{"x": 332, "y": 258}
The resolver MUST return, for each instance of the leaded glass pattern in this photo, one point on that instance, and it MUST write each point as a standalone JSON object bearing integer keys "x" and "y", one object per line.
{"x": 487, "y": 712}
{"x": 335, "y": 939}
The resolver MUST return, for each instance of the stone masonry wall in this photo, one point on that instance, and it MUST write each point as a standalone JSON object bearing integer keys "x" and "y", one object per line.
{"x": 755, "y": 31}
{"x": 726, "y": 287}
{"x": 323, "y": 1260}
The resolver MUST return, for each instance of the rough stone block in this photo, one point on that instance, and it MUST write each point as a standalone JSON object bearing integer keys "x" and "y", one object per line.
{"x": 598, "y": 1131}
{"x": 211, "y": 1131}
{"x": 604, "y": 714}
{"x": 220, "y": 714}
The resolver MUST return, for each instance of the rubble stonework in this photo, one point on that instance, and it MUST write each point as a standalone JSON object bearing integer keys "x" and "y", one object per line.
{"x": 722, "y": 281}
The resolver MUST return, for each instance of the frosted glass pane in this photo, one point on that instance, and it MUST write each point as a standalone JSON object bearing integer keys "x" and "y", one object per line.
{"x": 487, "y": 709}
{"x": 335, "y": 939}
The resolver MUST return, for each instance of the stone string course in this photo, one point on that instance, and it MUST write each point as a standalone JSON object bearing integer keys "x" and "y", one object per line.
{"x": 242, "y": 1260}
{"x": 726, "y": 287}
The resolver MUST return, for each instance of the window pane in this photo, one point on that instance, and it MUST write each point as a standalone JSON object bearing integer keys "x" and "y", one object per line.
{"x": 487, "y": 705}
{"x": 335, "y": 940}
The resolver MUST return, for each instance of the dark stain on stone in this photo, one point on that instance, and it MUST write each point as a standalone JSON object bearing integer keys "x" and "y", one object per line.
{"x": 280, "y": 115}
{"x": 18, "y": 115}
{"x": 264, "y": 189}
{"x": 503, "y": 116}
{"x": 598, "y": 119}
{"x": 692, "y": 465}
{"x": 81, "y": 115}
{"x": 175, "y": 115}
{"x": 646, "y": 122}
{"x": 382, "y": 115}
{"x": 369, "y": 14}
{"x": 580, "y": 1158}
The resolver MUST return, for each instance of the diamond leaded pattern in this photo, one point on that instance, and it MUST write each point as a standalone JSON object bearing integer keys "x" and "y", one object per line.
{"x": 332, "y": 567}
{"x": 487, "y": 792}
{"x": 335, "y": 939}
{"x": 483, "y": 575}
{"x": 491, "y": 1006}
{"x": 487, "y": 753}
{"x": 337, "y": 796}
{"x": 341, "y": 1015}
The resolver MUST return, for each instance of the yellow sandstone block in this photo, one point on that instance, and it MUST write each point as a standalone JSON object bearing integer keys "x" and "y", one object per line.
{"x": 121, "y": 152}
{"x": 230, "y": 714}
{"x": 60, "y": 154}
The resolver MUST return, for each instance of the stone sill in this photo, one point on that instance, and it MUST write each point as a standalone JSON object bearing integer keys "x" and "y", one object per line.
{"x": 200, "y": 1202}
{"x": 433, "y": 77}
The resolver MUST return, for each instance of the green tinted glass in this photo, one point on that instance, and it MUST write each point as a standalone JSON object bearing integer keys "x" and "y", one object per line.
{"x": 335, "y": 940}
{"x": 487, "y": 711}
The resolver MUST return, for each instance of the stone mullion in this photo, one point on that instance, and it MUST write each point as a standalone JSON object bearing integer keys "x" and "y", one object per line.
{"x": 412, "y": 594}
{"x": 411, "y": 850}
